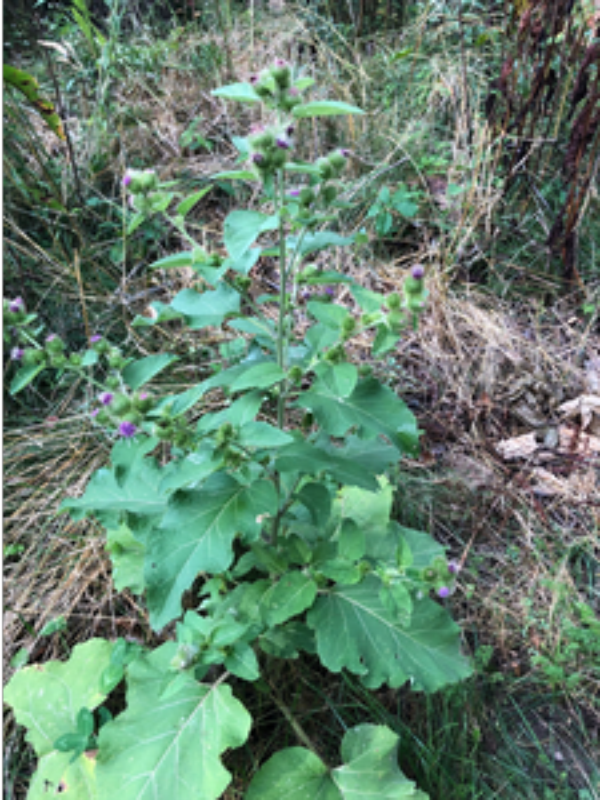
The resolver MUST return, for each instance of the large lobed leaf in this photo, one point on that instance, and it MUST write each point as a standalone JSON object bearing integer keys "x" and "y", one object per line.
{"x": 356, "y": 630}
{"x": 369, "y": 770}
{"x": 371, "y": 408}
{"x": 196, "y": 535}
{"x": 168, "y": 745}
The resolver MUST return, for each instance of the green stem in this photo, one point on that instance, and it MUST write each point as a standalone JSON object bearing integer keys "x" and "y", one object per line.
{"x": 282, "y": 343}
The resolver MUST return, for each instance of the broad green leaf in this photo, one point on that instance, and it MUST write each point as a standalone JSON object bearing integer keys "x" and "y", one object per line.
{"x": 169, "y": 746}
{"x": 131, "y": 486}
{"x": 207, "y": 308}
{"x": 369, "y": 510}
{"x": 328, "y": 313}
{"x": 292, "y": 594}
{"x": 341, "y": 378}
{"x": 186, "y": 205}
{"x": 242, "y": 662}
{"x": 243, "y": 263}
{"x": 24, "y": 377}
{"x": 372, "y": 408}
{"x": 302, "y": 457}
{"x": 143, "y": 370}
{"x": 46, "y": 698}
{"x": 127, "y": 557}
{"x": 304, "y": 83}
{"x": 58, "y": 775}
{"x": 369, "y": 770}
{"x": 255, "y": 327}
{"x": 356, "y": 631}
{"x": 258, "y": 376}
{"x": 178, "y": 260}
{"x": 235, "y": 175}
{"x": 293, "y": 774}
{"x": 242, "y": 411}
{"x": 368, "y": 300}
{"x": 90, "y": 357}
{"x": 313, "y": 242}
{"x": 324, "y": 108}
{"x": 242, "y": 228}
{"x": 288, "y": 640}
{"x": 329, "y": 276}
{"x": 196, "y": 535}
{"x": 261, "y": 434}
{"x": 242, "y": 92}
{"x": 29, "y": 86}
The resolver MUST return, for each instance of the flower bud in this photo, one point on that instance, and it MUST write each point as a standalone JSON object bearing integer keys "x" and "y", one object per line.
{"x": 127, "y": 429}
{"x": 33, "y": 356}
{"x": 337, "y": 160}
{"x": 75, "y": 360}
{"x": 54, "y": 344}
{"x": 307, "y": 196}
{"x": 58, "y": 360}
{"x": 394, "y": 302}
{"x": 325, "y": 168}
{"x": 329, "y": 194}
{"x": 281, "y": 73}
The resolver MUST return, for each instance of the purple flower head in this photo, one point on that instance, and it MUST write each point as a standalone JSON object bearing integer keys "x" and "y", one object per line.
{"x": 443, "y": 592}
{"x": 293, "y": 92}
{"x": 95, "y": 412}
{"x": 257, "y": 158}
{"x": 106, "y": 398}
{"x": 294, "y": 192}
{"x": 254, "y": 79}
{"x": 16, "y": 354}
{"x": 289, "y": 131}
{"x": 329, "y": 290}
{"x": 282, "y": 143}
{"x": 143, "y": 395}
{"x": 126, "y": 179}
{"x": 51, "y": 338}
{"x": 453, "y": 568}
{"x": 279, "y": 62}
{"x": 127, "y": 429}
{"x": 345, "y": 152}
{"x": 16, "y": 305}
{"x": 257, "y": 128}
{"x": 306, "y": 295}
{"x": 417, "y": 272}
{"x": 95, "y": 338}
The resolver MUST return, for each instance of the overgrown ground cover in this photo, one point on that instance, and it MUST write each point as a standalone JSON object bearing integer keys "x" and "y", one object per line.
{"x": 510, "y": 335}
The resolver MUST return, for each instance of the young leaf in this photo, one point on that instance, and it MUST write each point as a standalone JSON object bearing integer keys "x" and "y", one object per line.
{"x": 186, "y": 205}
{"x": 325, "y": 108}
{"x": 378, "y": 648}
{"x": 46, "y": 698}
{"x": 292, "y": 594}
{"x": 242, "y": 92}
{"x": 127, "y": 557}
{"x": 169, "y": 746}
{"x": 24, "y": 377}
{"x": 235, "y": 175}
{"x": 207, "y": 308}
{"x": 143, "y": 370}
{"x": 258, "y": 376}
{"x": 242, "y": 229}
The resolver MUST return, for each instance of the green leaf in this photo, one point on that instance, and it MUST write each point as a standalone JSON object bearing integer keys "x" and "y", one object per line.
{"x": 242, "y": 92}
{"x": 372, "y": 408}
{"x": 303, "y": 457}
{"x": 131, "y": 486}
{"x": 369, "y": 770}
{"x": 261, "y": 434}
{"x": 356, "y": 631}
{"x": 207, "y": 308}
{"x": 186, "y": 205}
{"x": 24, "y": 377}
{"x": 61, "y": 776}
{"x": 178, "y": 260}
{"x": 127, "y": 557}
{"x": 143, "y": 370}
{"x": 46, "y": 698}
{"x": 313, "y": 242}
{"x": 324, "y": 108}
{"x": 54, "y": 626}
{"x": 258, "y": 376}
{"x": 304, "y": 83}
{"x": 242, "y": 228}
{"x": 291, "y": 595}
{"x": 28, "y": 85}
{"x": 169, "y": 746}
{"x": 235, "y": 175}
{"x": 196, "y": 535}
{"x": 242, "y": 411}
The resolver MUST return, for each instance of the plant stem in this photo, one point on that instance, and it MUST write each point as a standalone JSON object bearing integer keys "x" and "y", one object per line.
{"x": 283, "y": 276}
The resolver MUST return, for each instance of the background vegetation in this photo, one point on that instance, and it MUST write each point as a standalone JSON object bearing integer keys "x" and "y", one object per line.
{"x": 478, "y": 158}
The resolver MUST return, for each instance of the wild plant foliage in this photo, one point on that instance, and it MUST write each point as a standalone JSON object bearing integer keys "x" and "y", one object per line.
{"x": 273, "y": 514}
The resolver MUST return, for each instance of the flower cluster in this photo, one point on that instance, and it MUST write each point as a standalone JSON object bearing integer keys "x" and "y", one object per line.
{"x": 274, "y": 85}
